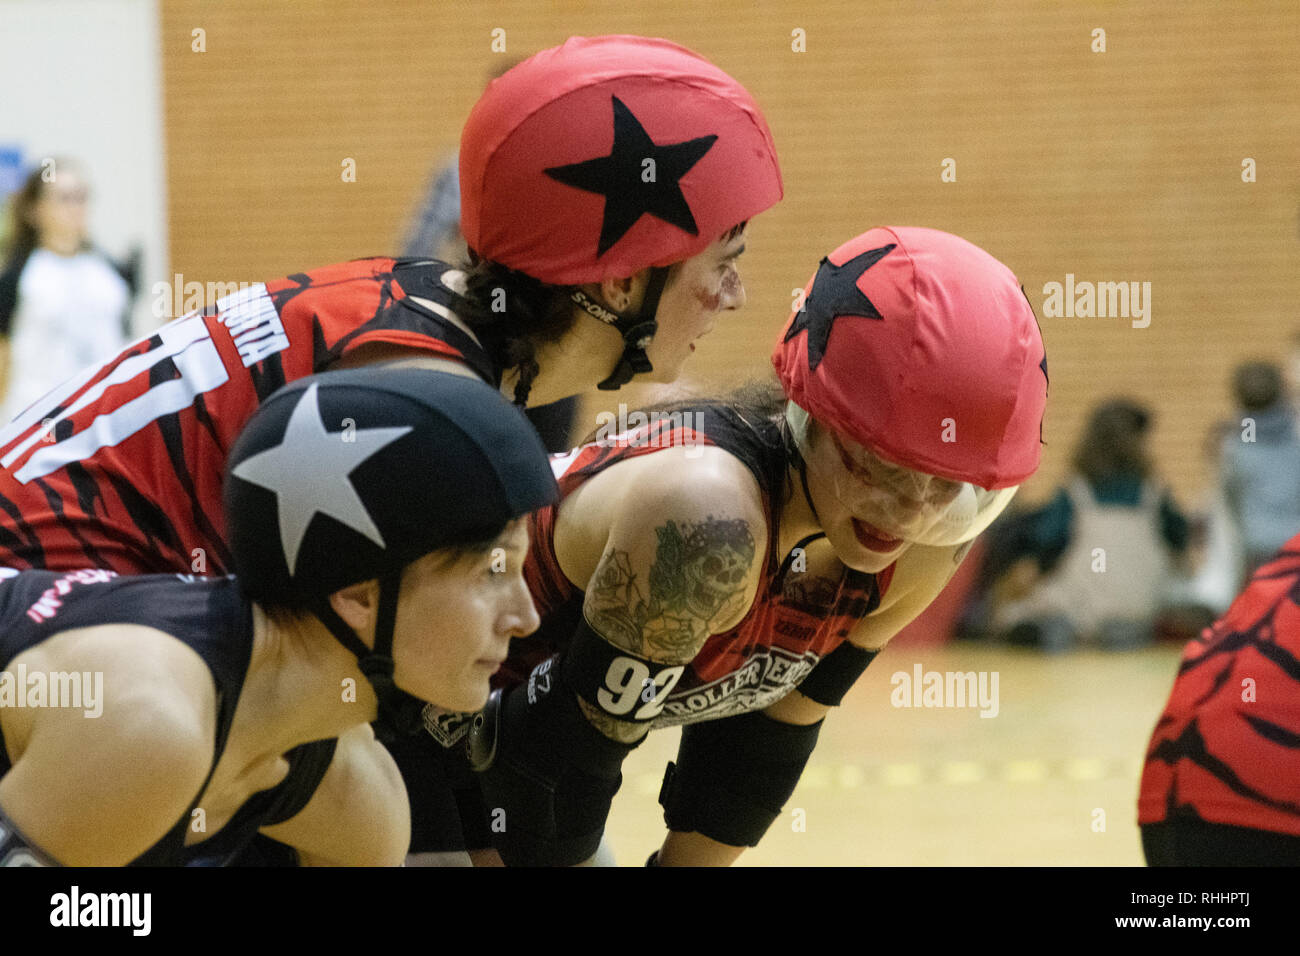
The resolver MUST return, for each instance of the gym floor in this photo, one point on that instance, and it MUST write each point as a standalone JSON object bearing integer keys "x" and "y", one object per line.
{"x": 1051, "y": 780}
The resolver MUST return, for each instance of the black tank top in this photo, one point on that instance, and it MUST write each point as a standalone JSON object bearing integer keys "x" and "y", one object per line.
{"x": 206, "y": 614}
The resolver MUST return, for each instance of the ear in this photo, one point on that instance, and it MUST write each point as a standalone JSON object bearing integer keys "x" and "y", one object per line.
{"x": 622, "y": 295}
{"x": 357, "y": 605}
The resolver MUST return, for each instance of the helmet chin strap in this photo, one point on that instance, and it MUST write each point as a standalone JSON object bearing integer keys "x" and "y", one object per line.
{"x": 638, "y": 329}
{"x": 796, "y": 420}
{"x": 399, "y": 712}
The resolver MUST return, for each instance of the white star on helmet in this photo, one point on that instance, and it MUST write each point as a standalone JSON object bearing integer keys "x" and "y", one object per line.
{"x": 331, "y": 457}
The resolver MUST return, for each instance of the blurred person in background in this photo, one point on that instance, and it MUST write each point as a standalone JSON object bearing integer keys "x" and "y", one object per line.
{"x": 63, "y": 303}
{"x": 1214, "y": 553}
{"x": 435, "y": 233}
{"x": 1105, "y": 546}
{"x": 1260, "y": 463}
{"x": 436, "y": 229}
{"x": 1293, "y": 371}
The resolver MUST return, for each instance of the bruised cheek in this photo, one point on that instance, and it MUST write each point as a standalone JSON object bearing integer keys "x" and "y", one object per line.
{"x": 709, "y": 301}
{"x": 729, "y": 289}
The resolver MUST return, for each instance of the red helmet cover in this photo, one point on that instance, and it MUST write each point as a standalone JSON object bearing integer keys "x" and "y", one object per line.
{"x": 950, "y": 377}
{"x": 556, "y": 109}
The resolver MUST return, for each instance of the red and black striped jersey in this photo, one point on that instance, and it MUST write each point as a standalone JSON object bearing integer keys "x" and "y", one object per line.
{"x": 794, "y": 621}
{"x": 121, "y": 467}
{"x": 1227, "y": 747}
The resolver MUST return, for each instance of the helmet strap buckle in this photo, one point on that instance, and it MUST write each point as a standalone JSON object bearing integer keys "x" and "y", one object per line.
{"x": 638, "y": 332}
{"x": 633, "y": 362}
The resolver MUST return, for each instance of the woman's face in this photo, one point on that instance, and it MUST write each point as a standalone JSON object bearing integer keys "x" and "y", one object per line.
{"x": 871, "y": 509}
{"x": 455, "y": 619}
{"x": 59, "y": 215}
{"x": 698, "y": 289}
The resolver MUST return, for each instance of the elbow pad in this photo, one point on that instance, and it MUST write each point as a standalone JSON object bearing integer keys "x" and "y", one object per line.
{"x": 548, "y": 775}
{"x": 835, "y": 674}
{"x": 733, "y": 776}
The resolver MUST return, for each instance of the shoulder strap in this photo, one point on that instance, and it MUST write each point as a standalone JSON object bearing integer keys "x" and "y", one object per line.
{"x": 423, "y": 278}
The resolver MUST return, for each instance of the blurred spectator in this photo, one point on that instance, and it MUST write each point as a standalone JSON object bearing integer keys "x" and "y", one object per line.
{"x": 436, "y": 231}
{"x": 1216, "y": 551}
{"x": 436, "y": 234}
{"x": 1293, "y": 370}
{"x": 1102, "y": 550}
{"x": 63, "y": 304}
{"x": 1260, "y": 464}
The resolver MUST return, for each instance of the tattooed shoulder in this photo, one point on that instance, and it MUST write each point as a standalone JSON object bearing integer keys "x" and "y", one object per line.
{"x": 695, "y": 583}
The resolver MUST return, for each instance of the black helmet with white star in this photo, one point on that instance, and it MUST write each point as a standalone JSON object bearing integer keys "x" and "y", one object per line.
{"x": 349, "y": 476}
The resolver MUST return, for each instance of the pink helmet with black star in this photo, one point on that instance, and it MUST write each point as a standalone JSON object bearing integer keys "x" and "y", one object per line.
{"x": 608, "y": 155}
{"x": 605, "y": 155}
{"x": 922, "y": 348}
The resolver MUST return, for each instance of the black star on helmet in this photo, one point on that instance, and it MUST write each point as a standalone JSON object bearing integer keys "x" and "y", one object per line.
{"x": 621, "y": 177}
{"x": 835, "y": 293}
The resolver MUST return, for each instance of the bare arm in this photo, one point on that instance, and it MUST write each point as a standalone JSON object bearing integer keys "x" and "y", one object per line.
{"x": 667, "y": 551}
{"x": 99, "y": 791}
{"x": 681, "y": 562}
{"x": 359, "y": 814}
{"x": 921, "y": 574}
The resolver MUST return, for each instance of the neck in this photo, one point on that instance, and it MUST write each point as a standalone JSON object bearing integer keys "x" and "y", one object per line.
{"x": 577, "y": 363}
{"x": 797, "y": 518}
{"x": 297, "y": 688}
{"x": 60, "y": 246}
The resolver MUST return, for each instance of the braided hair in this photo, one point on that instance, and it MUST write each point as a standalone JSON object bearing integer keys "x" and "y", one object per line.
{"x": 513, "y": 315}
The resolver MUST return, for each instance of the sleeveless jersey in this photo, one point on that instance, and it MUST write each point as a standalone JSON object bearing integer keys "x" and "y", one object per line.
{"x": 1227, "y": 747}
{"x": 121, "y": 466}
{"x": 208, "y": 615}
{"x": 794, "y": 621}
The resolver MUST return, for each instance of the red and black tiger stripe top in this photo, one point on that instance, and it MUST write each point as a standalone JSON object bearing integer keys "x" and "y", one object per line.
{"x": 790, "y": 626}
{"x": 121, "y": 467}
{"x": 1227, "y": 747}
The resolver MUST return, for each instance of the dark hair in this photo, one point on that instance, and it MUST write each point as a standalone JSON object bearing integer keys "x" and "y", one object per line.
{"x": 453, "y": 555}
{"x": 535, "y": 313}
{"x": 757, "y": 405}
{"x": 734, "y": 231}
{"x": 532, "y": 314}
{"x": 1258, "y": 385}
{"x": 1112, "y": 442}
{"x": 23, "y": 237}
